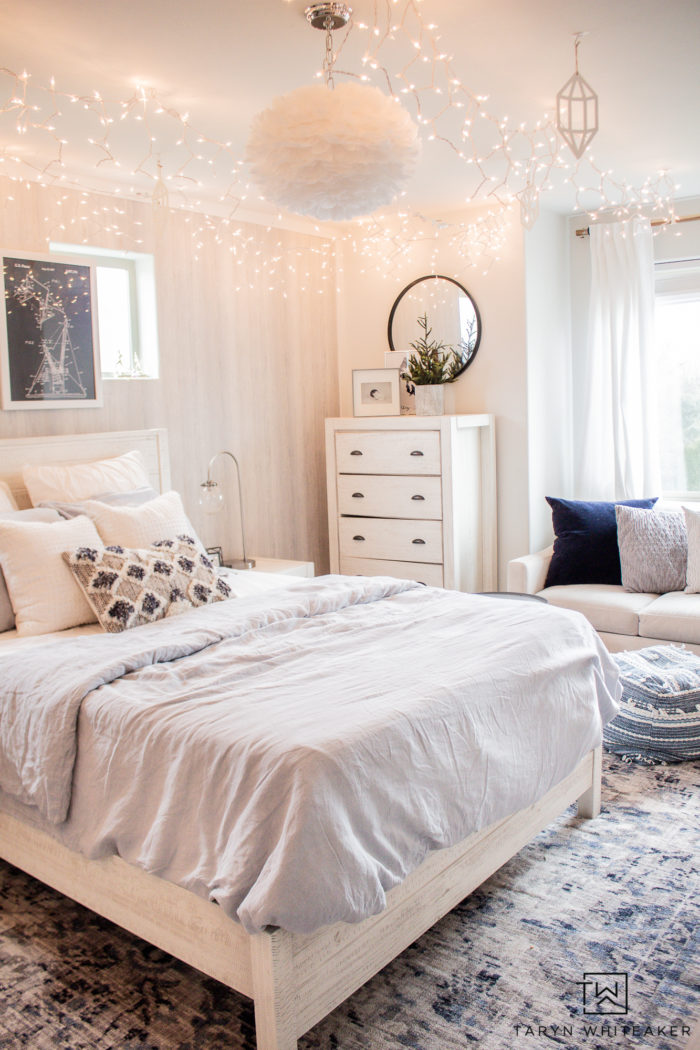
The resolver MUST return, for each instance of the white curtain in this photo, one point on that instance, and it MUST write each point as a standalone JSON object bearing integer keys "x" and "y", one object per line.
{"x": 619, "y": 454}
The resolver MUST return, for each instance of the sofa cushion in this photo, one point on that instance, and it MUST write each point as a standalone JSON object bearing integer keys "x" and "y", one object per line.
{"x": 585, "y": 547}
{"x": 653, "y": 549}
{"x": 674, "y": 616}
{"x": 608, "y": 608}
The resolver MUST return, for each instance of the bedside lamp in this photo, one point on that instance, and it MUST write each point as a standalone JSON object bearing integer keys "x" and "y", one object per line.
{"x": 211, "y": 500}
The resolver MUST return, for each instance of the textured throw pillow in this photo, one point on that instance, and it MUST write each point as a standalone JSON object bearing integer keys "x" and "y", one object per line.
{"x": 137, "y": 527}
{"x": 692, "y": 525}
{"x": 127, "y": 588}
{"x": 78, "y": 481}
{"x": 659, "y": 717}
{"x": 653, "y": 549}
{"x": 7, "y": 613}
{"x": 585, "y": 545}
{"x": 42, "y": 590}
{"x": 133, "y": 498}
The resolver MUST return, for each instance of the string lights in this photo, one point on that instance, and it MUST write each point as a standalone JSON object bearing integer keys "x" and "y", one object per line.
{"x": 143, "y": 148}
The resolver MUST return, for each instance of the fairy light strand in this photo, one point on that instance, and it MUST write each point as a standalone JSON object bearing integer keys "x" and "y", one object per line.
{"x": 44, "y": 130}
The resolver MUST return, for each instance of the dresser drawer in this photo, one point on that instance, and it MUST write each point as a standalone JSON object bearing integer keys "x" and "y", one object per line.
{"x": 378, "y": 496}
{"x": 431, "y": 575}
{"x": 390, "y": 538}
{"x": 388, "y": 452}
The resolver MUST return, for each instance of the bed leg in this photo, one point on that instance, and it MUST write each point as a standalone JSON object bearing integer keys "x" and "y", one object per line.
{"x": 588, "y": 804}
{"x": 273, "y": 990}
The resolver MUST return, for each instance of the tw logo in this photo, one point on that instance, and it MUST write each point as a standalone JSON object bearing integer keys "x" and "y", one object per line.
{"x": 604, "y": 993}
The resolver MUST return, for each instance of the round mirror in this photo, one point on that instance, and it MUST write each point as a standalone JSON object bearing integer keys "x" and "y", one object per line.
{"x": 450, "y": 312}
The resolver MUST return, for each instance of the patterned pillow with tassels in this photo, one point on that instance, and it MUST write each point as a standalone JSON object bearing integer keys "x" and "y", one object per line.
{"x": 127, "y": 588}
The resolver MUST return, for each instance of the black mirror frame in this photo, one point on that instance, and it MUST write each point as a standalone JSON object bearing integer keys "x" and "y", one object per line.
{"x": 438, "y": 277}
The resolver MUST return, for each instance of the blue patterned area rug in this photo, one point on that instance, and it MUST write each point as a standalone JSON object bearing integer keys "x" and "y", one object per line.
{"x": 590, "y": 937}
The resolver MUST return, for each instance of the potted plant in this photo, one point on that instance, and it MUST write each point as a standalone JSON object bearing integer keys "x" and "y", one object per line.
{"x": 431, "y": 364}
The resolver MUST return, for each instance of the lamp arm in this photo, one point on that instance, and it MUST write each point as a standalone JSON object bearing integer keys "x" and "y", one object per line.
{"x": 213, "y": 459}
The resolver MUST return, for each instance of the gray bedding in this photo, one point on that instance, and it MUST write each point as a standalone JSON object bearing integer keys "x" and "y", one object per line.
{"x": 293, "y": 756}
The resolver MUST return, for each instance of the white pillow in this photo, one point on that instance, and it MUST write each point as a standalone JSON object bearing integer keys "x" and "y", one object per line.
{"x": 7, "y": 614}
{"x": 43, "y": 592}
{"x": 116, "y": 499}
{"x": 7, "y": 500}
{"x": 653, "y": 549}
{"x": 79, "y": 481}
{"x": 162, "y": 518}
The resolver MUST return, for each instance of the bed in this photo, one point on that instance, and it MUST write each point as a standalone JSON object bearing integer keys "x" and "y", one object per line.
{"x": 298, "y": 968}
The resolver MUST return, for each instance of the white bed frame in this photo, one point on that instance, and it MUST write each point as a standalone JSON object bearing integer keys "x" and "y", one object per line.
{"x": 16, "y": 453}
{"x": 294, "y": 980}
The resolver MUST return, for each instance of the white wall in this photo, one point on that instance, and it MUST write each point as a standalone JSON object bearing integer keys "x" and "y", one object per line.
{"x": 496, "y": 382}
{"x": 548, "y": 321}
{"x": 681, "y": 241}
{"x": 257, "y": 373}
{"x": 243, "y": 366}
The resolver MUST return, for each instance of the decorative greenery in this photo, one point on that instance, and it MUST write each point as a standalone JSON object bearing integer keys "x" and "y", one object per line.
{"x": 432, "y": 361}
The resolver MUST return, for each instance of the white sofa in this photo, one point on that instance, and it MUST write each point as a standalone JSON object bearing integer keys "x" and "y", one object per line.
{"x": 624, "y": 620}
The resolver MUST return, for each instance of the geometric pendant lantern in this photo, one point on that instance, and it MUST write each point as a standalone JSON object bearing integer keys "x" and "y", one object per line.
{"x": 577, "y": 110}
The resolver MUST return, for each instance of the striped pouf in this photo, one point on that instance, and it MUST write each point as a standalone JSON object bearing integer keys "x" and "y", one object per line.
{"x": 659, "y": 718}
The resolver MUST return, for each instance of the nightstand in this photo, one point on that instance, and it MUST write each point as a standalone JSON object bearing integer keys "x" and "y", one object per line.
{"x": 284, "y": 567}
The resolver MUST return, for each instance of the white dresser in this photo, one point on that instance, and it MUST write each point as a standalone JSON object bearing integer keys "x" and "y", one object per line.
{"x": 414, "y": 497}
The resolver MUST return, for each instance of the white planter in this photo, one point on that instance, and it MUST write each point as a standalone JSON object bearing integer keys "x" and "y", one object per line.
{"x": 430, "y": 400}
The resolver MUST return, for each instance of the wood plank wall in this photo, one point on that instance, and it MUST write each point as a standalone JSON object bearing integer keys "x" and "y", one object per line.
{"x": 252, "y": 370}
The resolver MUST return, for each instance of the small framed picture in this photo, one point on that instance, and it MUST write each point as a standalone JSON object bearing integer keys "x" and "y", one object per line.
{"x": 375, "y": 392}
{"x": 49, "y": 354}
{"x": 216, "y": 555}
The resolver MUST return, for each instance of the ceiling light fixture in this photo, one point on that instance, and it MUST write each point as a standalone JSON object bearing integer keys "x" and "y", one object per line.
{"x": 334, "y": 151}
{"x": 577, "y": 109}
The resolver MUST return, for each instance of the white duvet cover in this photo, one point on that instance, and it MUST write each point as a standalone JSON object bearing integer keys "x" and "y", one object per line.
{"x": 294, "y": 755}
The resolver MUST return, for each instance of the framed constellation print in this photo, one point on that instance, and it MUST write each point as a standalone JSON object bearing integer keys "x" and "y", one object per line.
{"x": 49, "y": 355}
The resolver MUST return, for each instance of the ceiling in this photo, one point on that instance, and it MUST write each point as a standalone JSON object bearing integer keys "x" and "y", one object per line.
{"x": 225, "y": 62}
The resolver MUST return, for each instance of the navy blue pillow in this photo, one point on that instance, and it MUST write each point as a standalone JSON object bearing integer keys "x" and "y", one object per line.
{"x": 585, "y": 545}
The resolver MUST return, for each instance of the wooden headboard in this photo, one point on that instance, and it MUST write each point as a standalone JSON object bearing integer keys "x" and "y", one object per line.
{"x": 81, "y": 448}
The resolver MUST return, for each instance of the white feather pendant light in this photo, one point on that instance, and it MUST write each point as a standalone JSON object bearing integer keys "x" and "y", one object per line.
{"x": 333, "y": 154}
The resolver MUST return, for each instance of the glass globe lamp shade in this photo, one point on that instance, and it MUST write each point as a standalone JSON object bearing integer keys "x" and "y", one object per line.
{"x": 211, "y": 498}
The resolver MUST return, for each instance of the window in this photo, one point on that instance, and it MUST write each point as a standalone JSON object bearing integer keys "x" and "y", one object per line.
{"x": 678, "y": 375}
{"x": 126, "y": 310}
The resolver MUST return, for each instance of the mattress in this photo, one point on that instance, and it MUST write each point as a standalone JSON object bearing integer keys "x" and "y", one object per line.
{"x": 295, "y": 753}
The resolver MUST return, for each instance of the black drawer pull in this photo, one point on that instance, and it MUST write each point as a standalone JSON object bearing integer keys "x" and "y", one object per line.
{"x": 356, "y": 452}
{"x": 418, "y": 497}
{"x": 360, "y": 539}
{"x": 418, "y": 541}
{"x": 358, "y": 495}
{"x": 417, "y": 452}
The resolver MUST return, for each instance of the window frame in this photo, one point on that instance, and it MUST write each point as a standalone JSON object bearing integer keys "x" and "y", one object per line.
{"x": 139, "y": 268}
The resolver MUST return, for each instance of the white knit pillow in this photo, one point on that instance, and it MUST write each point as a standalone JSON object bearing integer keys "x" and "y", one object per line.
{"x": 44, "y": 595}
{"x": 653, "y": 549}
{"x": 78, "y": 481}
{"x": 162, "y": 518}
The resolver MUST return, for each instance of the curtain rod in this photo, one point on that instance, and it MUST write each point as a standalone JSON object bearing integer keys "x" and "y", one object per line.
{"x": 585, "y": 230}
